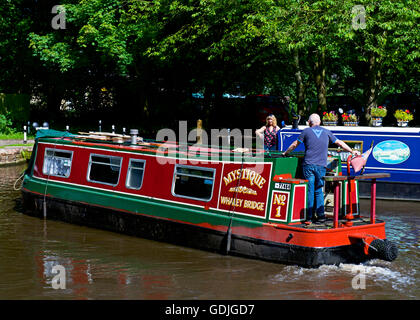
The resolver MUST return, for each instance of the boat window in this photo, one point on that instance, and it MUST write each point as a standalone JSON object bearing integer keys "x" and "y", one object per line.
{"x": 104, "y": 169}
{"x": 193, "y": 182}
{"x": 135, "y": 174}
{"x": 57, "y": 162}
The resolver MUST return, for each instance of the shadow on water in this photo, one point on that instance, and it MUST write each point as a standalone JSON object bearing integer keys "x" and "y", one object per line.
{"x": 18, "y": 207}
{"x": 105, "y": 265}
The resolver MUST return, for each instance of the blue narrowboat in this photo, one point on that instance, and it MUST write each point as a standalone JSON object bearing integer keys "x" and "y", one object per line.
{"x": 396, "y": 150}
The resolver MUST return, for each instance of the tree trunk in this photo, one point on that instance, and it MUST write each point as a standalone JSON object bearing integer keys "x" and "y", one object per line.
{"x": 300, "y": 87}
{"x": 54, "y": 96}
{"x": 319, "y": 73}
{"x": 372, "y": 84}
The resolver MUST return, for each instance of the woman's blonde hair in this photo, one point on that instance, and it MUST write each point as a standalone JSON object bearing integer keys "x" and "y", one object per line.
{"x": 271, "y": 116}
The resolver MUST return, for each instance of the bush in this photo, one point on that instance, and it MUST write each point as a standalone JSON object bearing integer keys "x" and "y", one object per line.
{"x": 5, "y": 125}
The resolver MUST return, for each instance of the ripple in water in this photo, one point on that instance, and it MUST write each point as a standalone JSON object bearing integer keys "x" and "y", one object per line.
{"x": 377, "y": 274}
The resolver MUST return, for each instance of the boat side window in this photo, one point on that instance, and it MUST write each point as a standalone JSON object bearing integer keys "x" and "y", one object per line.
{"x": 193, "y": 182}
{"x": 57, "y": 162}
{"x": 135, "y": 174}
{"x": 104, "y": 169}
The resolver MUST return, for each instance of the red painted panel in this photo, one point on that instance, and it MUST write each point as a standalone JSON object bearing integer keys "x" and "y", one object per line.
{"x": 354, "y": 199}
{"x": 244, "y": 188}
{"x": 299, "y": 203}
{"x": 280, "y": 205}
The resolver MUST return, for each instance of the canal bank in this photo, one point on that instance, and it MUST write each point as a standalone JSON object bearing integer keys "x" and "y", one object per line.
{"x": 14, "y": 151}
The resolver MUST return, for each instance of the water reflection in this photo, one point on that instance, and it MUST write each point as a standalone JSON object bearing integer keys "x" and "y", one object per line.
{"x": 106, "y": 265}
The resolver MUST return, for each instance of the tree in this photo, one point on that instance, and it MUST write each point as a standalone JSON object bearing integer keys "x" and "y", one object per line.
{"x": 136, "y": 51}
{"x": 16, "y": 60}
{"x": 387, "y": 42}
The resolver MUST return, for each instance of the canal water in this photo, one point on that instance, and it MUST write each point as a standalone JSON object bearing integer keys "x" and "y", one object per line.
{"x": 105, "y": 265}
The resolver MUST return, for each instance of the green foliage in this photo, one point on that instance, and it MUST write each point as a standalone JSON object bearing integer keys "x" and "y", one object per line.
{"x": 283, "y": 47}
{"x": 26, "y": 154}
{"x": 5, "y": 125}
{"x": 16, "y": 108}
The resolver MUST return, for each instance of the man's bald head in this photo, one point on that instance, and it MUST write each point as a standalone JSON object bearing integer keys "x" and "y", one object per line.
{"x": 314, "y": 120}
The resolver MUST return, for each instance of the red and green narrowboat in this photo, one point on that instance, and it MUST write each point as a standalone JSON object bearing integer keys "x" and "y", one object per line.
{"x": 240, "y": 203}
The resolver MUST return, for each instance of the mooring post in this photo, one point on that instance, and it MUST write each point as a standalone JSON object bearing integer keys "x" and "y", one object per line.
{"x": 373, "y": 201}
{"x": 113, "y": 129}
{"x": 24, "y": 134}
{"x": 67, "y": 128}
{"x": 100, "y": 125}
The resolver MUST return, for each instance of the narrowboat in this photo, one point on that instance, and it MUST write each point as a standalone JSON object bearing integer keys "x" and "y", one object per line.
{"x": 396, "y": 151}
{"x": 233, "y": 201}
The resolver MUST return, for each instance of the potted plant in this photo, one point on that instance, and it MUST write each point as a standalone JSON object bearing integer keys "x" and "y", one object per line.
{"x": 403, "y": 117}
{"x": 350, "y": 119}
{"x": 377, "y": 113}
{"x": 329, "y": 118}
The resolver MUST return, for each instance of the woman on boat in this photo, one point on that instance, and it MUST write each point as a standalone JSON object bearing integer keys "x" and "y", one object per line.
{"x": 269, "y": 133}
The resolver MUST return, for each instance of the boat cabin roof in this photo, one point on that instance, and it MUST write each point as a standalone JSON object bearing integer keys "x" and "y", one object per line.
{"x": 159, "y": 148}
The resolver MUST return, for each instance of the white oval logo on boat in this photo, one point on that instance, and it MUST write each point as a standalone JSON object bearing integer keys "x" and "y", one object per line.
{"x": 391, "y": 152}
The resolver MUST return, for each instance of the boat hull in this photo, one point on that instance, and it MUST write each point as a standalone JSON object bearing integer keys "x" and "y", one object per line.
{"x": 187, "y": 234}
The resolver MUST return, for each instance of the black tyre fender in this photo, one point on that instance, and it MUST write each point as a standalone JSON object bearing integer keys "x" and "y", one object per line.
{"x": 383, "y": 249}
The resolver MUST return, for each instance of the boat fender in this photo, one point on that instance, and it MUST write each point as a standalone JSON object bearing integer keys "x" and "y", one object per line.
{"x": 383, "y": 249}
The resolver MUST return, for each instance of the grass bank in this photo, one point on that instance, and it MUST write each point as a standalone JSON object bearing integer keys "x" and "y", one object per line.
{"x": 15, "y": 136}
{"x": 18, "y": 145}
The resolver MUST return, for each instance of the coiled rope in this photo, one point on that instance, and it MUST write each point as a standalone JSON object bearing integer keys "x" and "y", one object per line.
{"x": 17, "y": 180}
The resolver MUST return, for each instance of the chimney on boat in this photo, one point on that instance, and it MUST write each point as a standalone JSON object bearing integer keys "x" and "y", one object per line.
{"x": 134, "y": 133}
